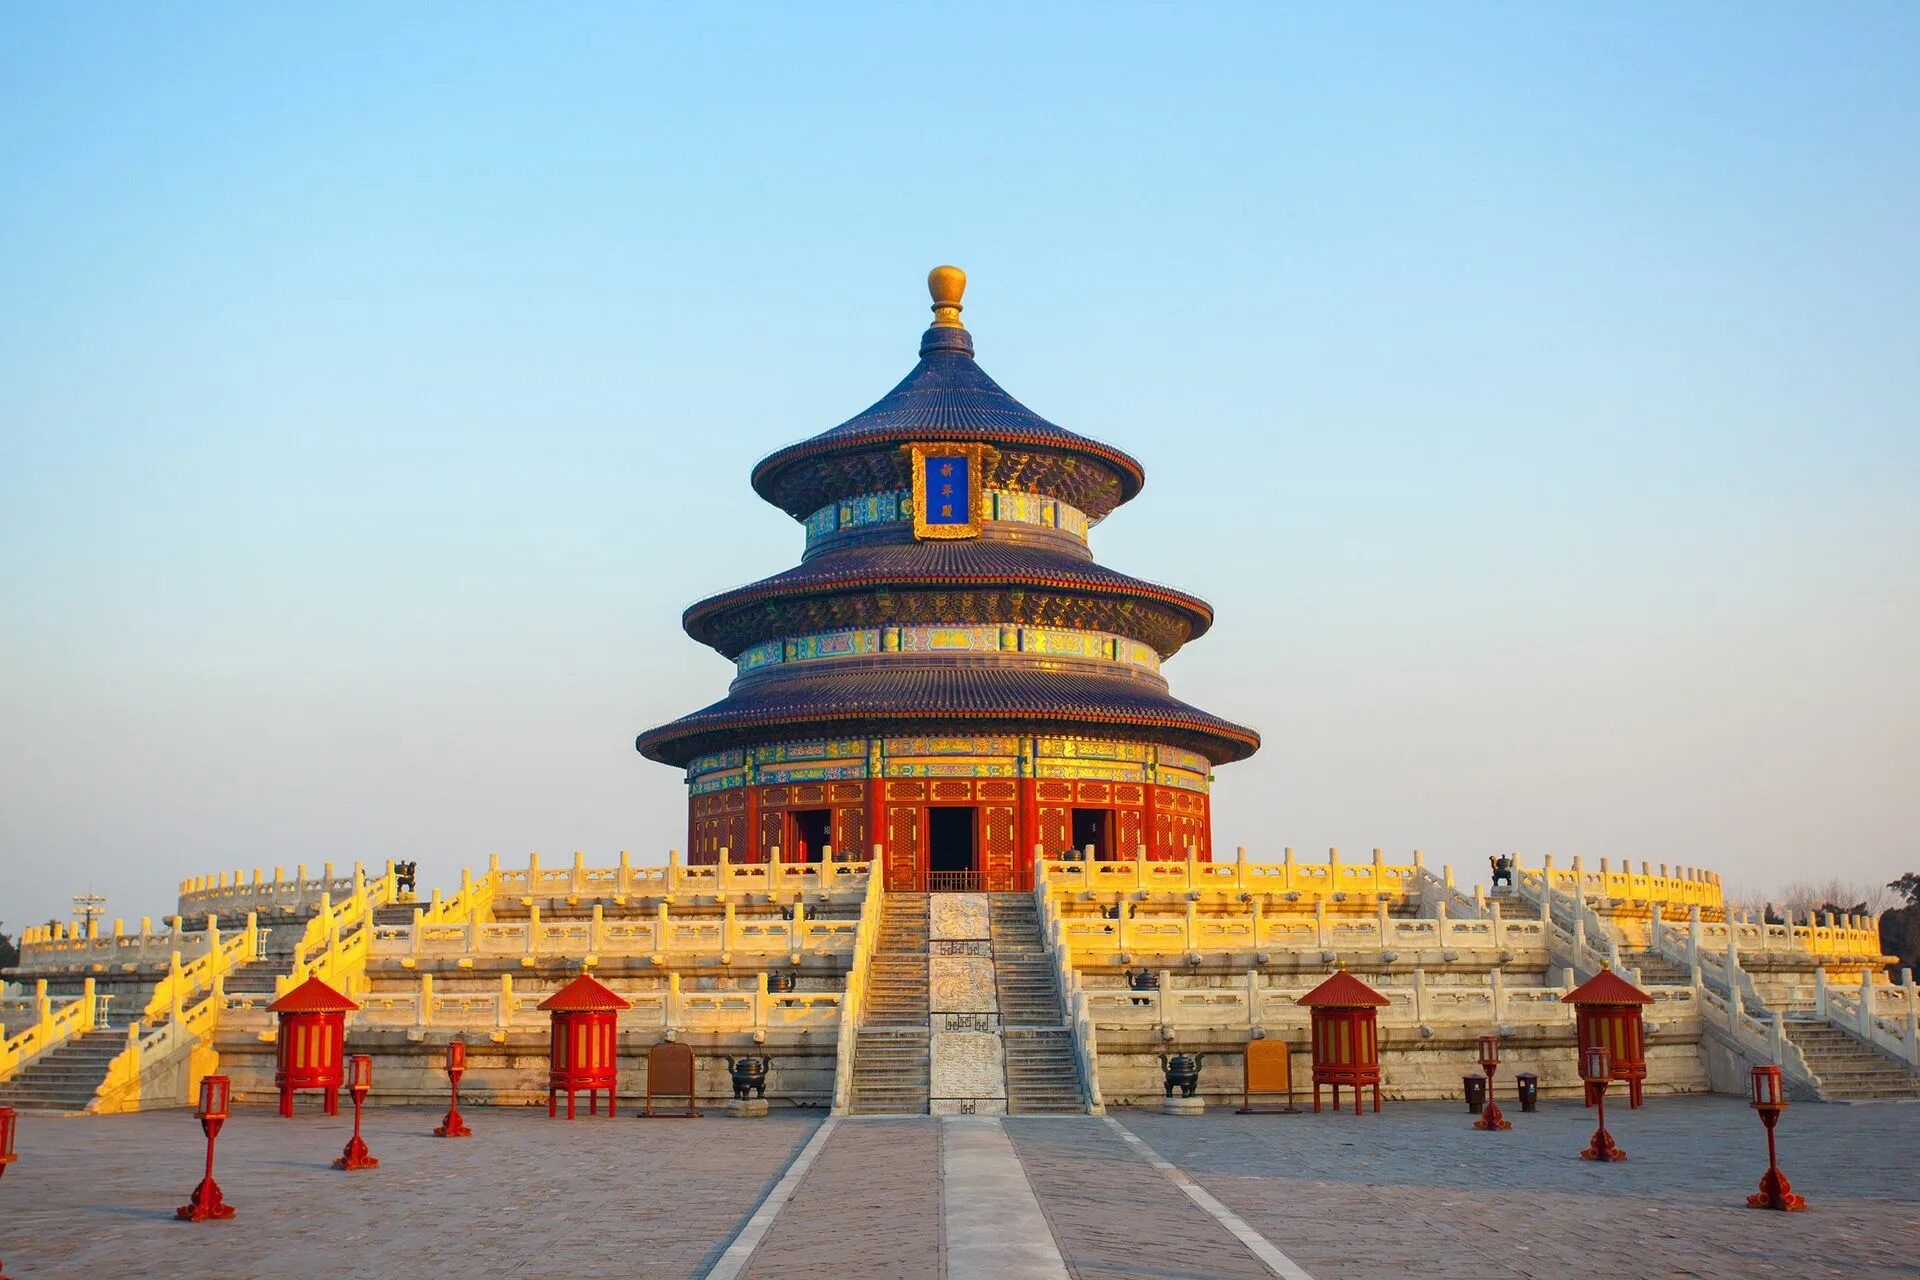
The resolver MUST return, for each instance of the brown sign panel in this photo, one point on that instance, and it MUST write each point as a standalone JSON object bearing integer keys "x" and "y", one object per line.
{"x": 670, "y": 1075}
{"x": 1269, "y": 1071}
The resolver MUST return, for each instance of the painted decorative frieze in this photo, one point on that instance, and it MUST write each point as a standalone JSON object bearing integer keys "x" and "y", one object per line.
{"x": 1002, "y": 505}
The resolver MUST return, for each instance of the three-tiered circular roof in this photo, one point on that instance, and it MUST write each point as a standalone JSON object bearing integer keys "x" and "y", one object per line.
{"x": 883, "y": 575}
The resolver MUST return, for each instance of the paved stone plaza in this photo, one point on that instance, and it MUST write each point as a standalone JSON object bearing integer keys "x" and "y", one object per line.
{"x": 1414, "y": 1191}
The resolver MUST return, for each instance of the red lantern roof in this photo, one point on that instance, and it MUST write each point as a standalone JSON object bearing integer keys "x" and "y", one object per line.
{"x": 1343, "y": 991}
{"x": 585, "y": 994}
{"x": 312, "y": 996}
{"x": 1606, "y": 987}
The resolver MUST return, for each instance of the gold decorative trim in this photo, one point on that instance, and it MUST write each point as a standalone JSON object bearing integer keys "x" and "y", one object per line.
{"x": 975, "y": 456}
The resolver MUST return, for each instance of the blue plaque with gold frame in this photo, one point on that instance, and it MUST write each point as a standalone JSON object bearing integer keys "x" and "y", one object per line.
{"x": 949, "y": 490}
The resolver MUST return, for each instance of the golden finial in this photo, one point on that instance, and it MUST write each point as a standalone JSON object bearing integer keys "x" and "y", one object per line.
{"x": 946, "y": 284}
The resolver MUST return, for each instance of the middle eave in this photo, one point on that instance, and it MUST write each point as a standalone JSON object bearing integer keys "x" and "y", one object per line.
{"x": 968, "y": 582}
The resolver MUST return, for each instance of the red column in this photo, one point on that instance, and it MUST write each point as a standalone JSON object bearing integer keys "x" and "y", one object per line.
{"x": 752, "y": 841}
{"x": 1027, "y": 830}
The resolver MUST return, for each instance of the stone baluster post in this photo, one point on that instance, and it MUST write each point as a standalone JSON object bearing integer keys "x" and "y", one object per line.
{"x": 577, "y": 882}
{"x": 1240, "y": 867}
{"x": 423, "y": 1008}
{"x": 1499, "y": 994}
{"x": 532, "y": 949}
{"x": 503, "y": 1012}
{"x": 1912, "y": 994}
{"x": 594, "y": 930}
{"x": 1320, "y": 921}
{"x": 1380, "y": 922}
{"x": 662, "y": 934}
{"x": 1286, "y": 883}
{"x": 1866, "y": 1005}
{"x": 760, "y": 1001}
{"x": 1421, "y": 1010}
{"x": 1124, "y": 933}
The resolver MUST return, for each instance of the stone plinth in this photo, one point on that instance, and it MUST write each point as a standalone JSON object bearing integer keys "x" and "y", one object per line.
{"x": 747, "y": 1108}
{"x": 1179, "y": 1106}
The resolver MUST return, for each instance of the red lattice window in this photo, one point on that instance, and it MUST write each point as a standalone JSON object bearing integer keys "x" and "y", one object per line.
{"x": 850, "y": 832}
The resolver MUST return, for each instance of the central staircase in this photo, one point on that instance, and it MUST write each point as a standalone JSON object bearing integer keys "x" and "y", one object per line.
{"x": 891, "y": 1066}
{"x": 1042, "y": 1076}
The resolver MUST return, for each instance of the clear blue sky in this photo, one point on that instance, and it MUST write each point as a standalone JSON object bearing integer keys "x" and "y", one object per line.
{"x": 1535, "y": 393}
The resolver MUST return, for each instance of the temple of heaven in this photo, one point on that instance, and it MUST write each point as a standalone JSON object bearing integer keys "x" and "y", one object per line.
{"x": 948, "y": 674}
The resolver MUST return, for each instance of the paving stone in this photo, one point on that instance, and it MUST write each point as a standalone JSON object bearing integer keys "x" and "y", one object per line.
{"x": 1116, "y": 1217}
{"x": 869, "y": 1206}
{"x": 1416, "y": 1190}
{"x": 525, "y": 1197}
{"x": 1412, "y": 1192}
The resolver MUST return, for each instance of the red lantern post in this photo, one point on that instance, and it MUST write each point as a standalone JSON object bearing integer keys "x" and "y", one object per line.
{"x": 8, "y": 1120}
{"x": 216, "y": 1095}
{"x": 1490, "y": 1117}
{"x": 311, "y": 1048}
{"x": 1346, "y": 1038}
{"x": 1770, "y": 1099}
{"x": 453, "y": 1126}
{"x": 1607, "y": 1012}
{"x": 359, "y": 1083}
{"x": 585, "y": 1052}
{"x": 1596, "y": 1070}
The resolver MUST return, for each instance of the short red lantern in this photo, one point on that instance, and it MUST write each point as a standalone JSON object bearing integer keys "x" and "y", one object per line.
{"x": 216, "y": 1096}
{"x": 1596, "y": 1072}
{"x": 453, "y": 1126}
{"x": 585, "y": 1052}
{"x": 1346, "y": 1040}
{"x": 1490, "y": 1117}
{"x": 312, "y": 1043}
{"x": 8, "y": 1119}
{"x": 1607, "y": 1012}
{"x": 359, "y": 1083}
{"x": 1770, "y": 1099}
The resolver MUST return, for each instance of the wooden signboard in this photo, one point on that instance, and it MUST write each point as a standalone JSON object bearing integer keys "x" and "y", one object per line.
{"x": 670, "y": 1075}
{"x": 1269, "y": 1072}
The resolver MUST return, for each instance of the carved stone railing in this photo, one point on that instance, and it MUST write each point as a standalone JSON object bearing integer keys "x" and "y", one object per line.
{"x": 1884, "y": 1015}
{"x": 52, "y": 1026}
{"x": 1332, "y": 879}
{"x": 661, "y": 936}
{"x": 853, "y": 1003}
{"x": 1079, "y": 1010}
{"x": 234, "y": 894}
{"x": 724, "y": 879}
{"x": 1254, "y": 1003}
{"x": 1100, "y": 941}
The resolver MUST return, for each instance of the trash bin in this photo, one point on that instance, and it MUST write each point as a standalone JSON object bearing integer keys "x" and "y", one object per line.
{"x": 1529, "y": 1086}
{"x": 1476, "y": 1087}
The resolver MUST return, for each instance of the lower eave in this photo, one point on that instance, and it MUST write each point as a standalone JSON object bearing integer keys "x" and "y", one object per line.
{"x": 995, "y": 699}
